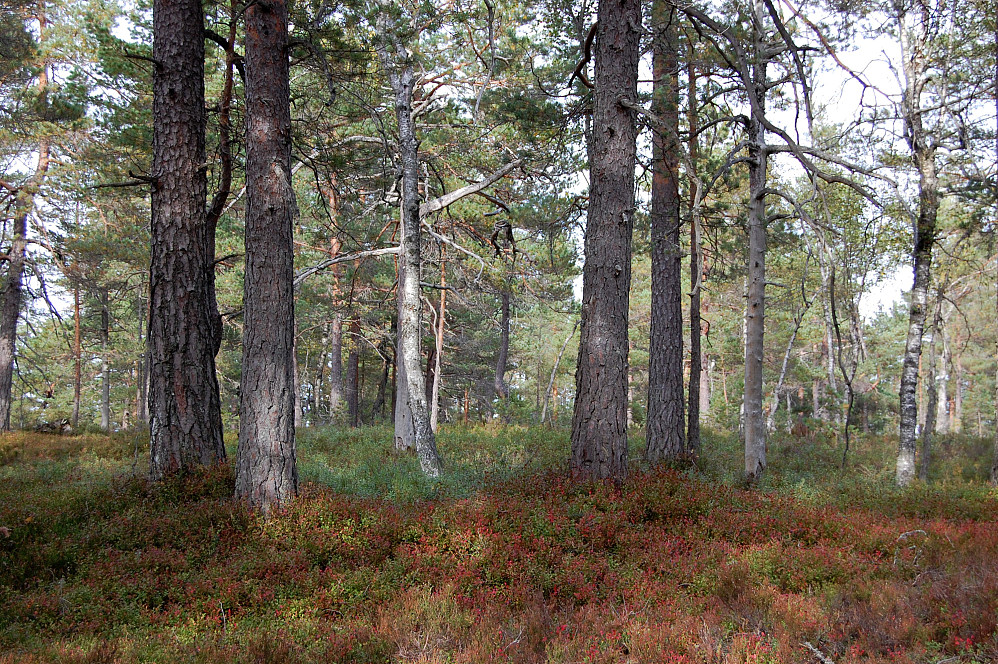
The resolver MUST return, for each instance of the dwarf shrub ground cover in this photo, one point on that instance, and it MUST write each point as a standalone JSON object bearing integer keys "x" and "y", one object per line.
{"x": 503, "y": 559}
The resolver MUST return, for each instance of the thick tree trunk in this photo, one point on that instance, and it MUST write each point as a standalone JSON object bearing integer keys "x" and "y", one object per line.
{"x": 698, "y": 382}
{"x": 412, "y": 417}
{"x": 105, "y": 365}
{"x": 353, "y": 375}
{"x": 185, "y": 420}
{"x": 755, "y": 313}
{"x": 599, "y": 421}
{"x": 499, "y": 384}
{"x": 266, "y": 468}
{"x": 666, "y": 434}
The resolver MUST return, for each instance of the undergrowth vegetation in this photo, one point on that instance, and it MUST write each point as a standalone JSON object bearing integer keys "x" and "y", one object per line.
{"x": 501, "y": 559}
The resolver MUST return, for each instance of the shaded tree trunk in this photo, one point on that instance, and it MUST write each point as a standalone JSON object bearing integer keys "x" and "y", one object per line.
{"x": 296, "y": 372}
{"x": 185, "y": 420}
{"x": 666, "y": 435}
{"x": 105, "y": 400}
{"x": 77, "y": 360}
{"x": 266, "y": 468}
{"x": 933, "y": 393}
{"x": 353, "y": 375}
{"x": 501, "y": 389}
{"x": 378, "y": 409}
{"x": 956, "y": 415}
{"x": 431, "y": 361}
{"x": 551, "y": 391}
{"x": 142, "y": 370}
{"x": 942, "y": 379}
{"x": 335, "y": 365}
{"x": 599, "y": 421}
{"x": 439, "y": 341}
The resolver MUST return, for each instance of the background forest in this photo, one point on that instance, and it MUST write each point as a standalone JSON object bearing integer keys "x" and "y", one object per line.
{"x": 492, "y": 93}
{"x": 811, "y": 156}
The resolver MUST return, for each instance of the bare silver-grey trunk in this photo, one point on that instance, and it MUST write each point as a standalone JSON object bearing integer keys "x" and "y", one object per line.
{"x": 412, "y": 417}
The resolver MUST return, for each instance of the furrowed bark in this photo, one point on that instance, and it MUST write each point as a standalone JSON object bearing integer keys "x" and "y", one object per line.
{"x": 185, "y": 421}
{"x": 599, "y": 430}
{"x": 666, "y": 435}
{"x": 266, "y": 468}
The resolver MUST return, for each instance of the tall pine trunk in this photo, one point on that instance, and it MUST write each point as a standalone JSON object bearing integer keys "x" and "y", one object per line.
{"x": 666, "y": 435}
{"x": 77, "y": 360}
{"x": 105, "y": 365}
{"x": 599, "y": 420}
{"x": 353, "y": 375}
{"x": 266, "y": 468}
{"x": 185, "y": 420}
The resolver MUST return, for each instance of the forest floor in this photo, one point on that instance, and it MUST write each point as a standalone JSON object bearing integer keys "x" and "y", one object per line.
{"x": 502, "y": 559}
